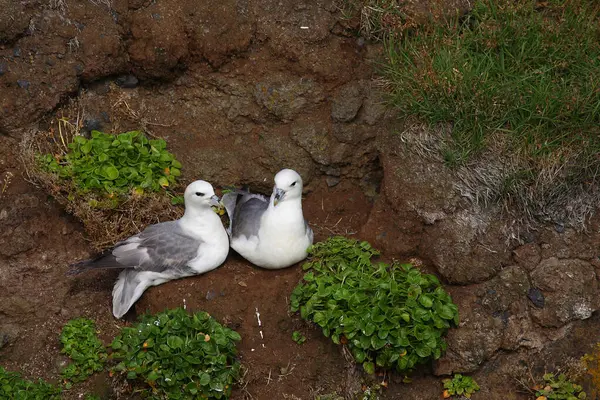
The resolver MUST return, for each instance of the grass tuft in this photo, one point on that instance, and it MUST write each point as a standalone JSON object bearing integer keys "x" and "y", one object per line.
{"x": 518, "y": 79}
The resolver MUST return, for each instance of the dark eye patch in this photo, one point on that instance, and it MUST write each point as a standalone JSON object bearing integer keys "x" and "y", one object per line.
{"x": 199, "y": 194}
{"x": 293, "y": 184}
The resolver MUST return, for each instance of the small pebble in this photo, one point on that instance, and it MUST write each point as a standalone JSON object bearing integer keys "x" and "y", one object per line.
{"x": 127, "y": 81}
{"x": 560, "y": 228}
{"x": 242, "y": 284}
{"x": 3, "y": 68}
{"x": 210, "y": 295}
{"x": 23, "y": 84}
{"x": 332, "y": 181}
{"x": 537, "y": 297}
{"x": 92, "y": 124}
{"x": 17, "y": 52}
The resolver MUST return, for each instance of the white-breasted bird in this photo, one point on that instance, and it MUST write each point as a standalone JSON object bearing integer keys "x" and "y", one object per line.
{"x": 192, "y": 245}
{"x": 270, "y": 232}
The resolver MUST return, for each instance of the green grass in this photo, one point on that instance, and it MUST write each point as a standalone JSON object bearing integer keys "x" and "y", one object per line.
{"x": 512, "y": 74}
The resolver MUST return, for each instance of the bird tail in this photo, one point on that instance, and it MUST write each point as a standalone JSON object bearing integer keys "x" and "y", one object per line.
{"x": 106, "y": 260}
{"x": 127, "y": 290}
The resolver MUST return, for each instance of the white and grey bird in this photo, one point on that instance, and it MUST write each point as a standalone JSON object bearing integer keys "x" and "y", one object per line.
{"x": 192, "y": 245}
{"x": 270, "y": 232}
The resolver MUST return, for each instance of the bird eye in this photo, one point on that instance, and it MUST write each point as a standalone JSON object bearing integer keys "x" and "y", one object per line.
{"x": 293, "y": 184}
{"x": 199, "y": 194}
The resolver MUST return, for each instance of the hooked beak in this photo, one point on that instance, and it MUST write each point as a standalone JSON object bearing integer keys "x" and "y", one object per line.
{"x": 279, "y": 195}
{"x": 214, "y": 201}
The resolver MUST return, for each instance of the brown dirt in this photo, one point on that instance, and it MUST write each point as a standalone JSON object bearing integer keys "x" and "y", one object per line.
{"x": 239, "y": 91}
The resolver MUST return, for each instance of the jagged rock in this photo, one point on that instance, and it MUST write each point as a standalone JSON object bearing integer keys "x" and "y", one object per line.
{"x": 570, "y": 290}
{"x": 347, "y": 102}
{"x": 286, "y": 97}
{"x": 476, "y": 340}
{"x": 313, "y": 136}
{"x": 528, "y": 255}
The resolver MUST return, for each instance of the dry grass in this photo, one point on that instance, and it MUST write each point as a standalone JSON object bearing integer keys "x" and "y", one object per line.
{"x": 103, "y": 226}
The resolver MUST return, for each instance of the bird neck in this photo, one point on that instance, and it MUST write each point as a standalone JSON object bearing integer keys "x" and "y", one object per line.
{"x": 289, "y": 207}
{"x": 200, "y": 221}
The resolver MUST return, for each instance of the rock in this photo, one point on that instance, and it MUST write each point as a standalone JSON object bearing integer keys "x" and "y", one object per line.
{"x": 8, "y": 334}
{"x": 23, "y": 84}
{"x": 373, "y": 109}
{"x": 314, "y": 138}
{"x": 332, "y": 181}
{"x": 127, "y": 81}
{"x": 218, "y": 30}
{"x": 537, "y": 297}
{"x": 569, "y": 288}
{"x": 528, "y": 255}
{"x": 346, "y": 102}
{"x": 286, "y": 97}
{"x": 353, "y": 133}
{"x": 92, "y": 124}
{"x": 477, "y": 339}
{"x": 158, "y": 46}
{"x": 392, "y": 232}
{"x": 16, "y": 241}
{"x": 507, "y": 292}
{"x": 466, "y": 247}
{"x": 3, "y": 68}
{"x": 14, "y": 20}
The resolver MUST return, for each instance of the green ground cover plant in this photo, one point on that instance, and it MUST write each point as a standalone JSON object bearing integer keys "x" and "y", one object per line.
{"x": 560, "y": 388}
{"x": 460, "y": 385}
{"x": 116, "y": 164}
{"x": 389, "y": 316}
{"x": 14, "y": 387}
{"x": 80, "y": 342}
{"x": 178, "y": 355}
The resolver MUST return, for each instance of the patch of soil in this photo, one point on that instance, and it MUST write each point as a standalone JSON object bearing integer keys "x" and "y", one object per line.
{"x": 240, "y": 90}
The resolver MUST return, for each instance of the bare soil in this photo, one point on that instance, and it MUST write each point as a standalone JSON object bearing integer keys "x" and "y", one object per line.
{"x": 240, "y": 90}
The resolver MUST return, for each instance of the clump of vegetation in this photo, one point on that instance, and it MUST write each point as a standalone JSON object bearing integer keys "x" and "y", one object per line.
{"x": 514, "y": 78}
{"x": 179, "y": 356}
{"x": 14, "y": 387}
{"x": 115, "y": 184}
{"x": 80, "y": 342}
{"x": 115, "y": 165}
{"x": 460, "y": 385}
{"x": 298, "y": 337}
{"x": 392, "y": 316}
{"x": 560, "y": 389}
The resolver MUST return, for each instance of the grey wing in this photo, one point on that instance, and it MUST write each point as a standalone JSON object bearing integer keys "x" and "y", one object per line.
{"x": 247, "y": 216}
{"x": 158, "y": 248}
{"x": 244, "y": 210}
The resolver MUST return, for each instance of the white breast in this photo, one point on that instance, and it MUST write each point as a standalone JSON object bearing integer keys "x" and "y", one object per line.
{"x": 282, "y": 239}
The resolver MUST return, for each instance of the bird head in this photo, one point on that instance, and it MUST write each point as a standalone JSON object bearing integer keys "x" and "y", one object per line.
{"x": 200, "y": 194}
{"x": 288, "y": 186}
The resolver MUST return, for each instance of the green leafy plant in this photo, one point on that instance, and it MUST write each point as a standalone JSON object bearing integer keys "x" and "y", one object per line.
{"x": 80, "y": 342}
{"x": 91, "y": 397}
{"x": 179, "y": 356}
{"x": 116, "y": 164}
{"x": 460, "y": 385}
{"x": 387, "y": 315}
{"x": 298, "y": 337}
{"x": 560, "y": 389}
{"x": 14, "y": 387}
